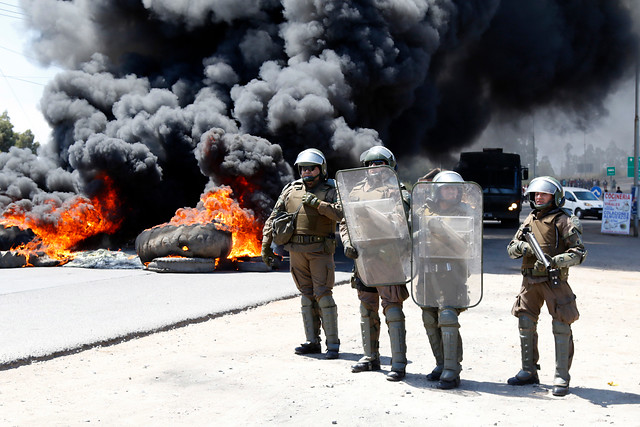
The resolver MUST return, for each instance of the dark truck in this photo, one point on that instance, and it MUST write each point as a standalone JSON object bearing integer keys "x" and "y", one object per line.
{"x": 500, "y": 175}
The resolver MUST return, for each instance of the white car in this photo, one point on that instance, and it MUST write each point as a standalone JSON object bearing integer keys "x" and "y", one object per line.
{"x": 582, "y": 202}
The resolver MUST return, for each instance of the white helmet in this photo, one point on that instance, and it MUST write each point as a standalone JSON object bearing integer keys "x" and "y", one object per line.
{"x": 444, "y": 177}
{"x": 548, "y": 185}
{"x": 310, "y": 157}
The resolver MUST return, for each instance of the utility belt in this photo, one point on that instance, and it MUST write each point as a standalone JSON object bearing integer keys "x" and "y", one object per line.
{"x": 306, "y": 238}
{"x": 564, "y": 273}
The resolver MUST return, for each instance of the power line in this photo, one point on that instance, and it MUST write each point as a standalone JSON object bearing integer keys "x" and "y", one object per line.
{"x": 18, "y": 53}
{"x": 12, "y": 11}
{"x": 10, "y": 5}
{"x": 14, "y": 95}
{"x": 24, "y": 80}
{"x": 14, "y": 17}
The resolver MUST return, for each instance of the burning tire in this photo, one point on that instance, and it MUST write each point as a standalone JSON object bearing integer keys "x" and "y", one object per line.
{"x": 13, "y": 259}
{"x": 189, "y": 241}
{"x": 182, "y": 265}
{"x": 11, "y": 237}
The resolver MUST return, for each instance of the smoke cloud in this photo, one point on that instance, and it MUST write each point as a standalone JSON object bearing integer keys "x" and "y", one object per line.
{"x": 169, "y": 97}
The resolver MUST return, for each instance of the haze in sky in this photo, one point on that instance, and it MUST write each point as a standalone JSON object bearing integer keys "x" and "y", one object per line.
{"x": 22, "y": 79}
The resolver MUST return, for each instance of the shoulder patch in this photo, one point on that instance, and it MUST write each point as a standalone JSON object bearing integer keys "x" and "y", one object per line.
{"x": 331, "y": 183}
{"x": 575, "y": 223}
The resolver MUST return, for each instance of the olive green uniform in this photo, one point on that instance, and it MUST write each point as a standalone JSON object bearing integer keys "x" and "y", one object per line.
{"x": 559, "y": 236}
{"x": 392, "y": 296}
{"x": 311, "y": 252}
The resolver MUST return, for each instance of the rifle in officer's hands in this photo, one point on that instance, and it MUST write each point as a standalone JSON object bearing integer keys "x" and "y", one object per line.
{"x": 554, "y": 273}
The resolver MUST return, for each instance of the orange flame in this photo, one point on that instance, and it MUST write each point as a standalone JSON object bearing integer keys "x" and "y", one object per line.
{"x": 63, "y": 226}
{"x": 218, "y": 205}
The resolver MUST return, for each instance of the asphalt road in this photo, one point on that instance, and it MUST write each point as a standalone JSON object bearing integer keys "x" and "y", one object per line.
{"x": 50, "y": 311}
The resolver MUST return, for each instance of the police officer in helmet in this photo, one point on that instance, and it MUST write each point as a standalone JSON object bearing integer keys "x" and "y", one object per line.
{"x": 311, "y": 248}
{"x": 392, "y": 296}
{"x": 448, "y": 276}
{"x": 559, "y": 234}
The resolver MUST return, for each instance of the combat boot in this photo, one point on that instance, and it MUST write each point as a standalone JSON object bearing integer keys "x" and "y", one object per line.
{"x": 330, "y": 324}
{"x": 452, "y": 349}
{"x": 564, "y": 354}
{"x": 370, "y": 329}
{"x": 311, "y": 323}
{"x": 397, "y": 336}
{"x": 430, "y": 321}
{"x": 529, "y": 353}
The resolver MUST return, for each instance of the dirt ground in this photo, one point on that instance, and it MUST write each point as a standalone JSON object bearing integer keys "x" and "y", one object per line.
{"x": 240, "y": 369}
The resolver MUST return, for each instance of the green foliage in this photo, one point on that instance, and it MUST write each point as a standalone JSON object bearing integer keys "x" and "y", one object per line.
{"x": 9, "y": 138}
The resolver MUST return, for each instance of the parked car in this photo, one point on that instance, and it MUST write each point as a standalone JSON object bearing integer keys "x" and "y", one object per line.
{"x": 582, "y": 202}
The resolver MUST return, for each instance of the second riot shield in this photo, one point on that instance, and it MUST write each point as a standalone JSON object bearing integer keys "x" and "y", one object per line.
{"x": 377, "y": 224}
{"x": 446, "y": 244}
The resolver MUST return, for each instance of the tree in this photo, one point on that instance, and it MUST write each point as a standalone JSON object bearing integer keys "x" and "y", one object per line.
{"x": 9, "y": 138}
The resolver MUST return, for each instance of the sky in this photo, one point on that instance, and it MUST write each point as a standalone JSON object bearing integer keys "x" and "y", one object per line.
{"x": 22, "y": 79}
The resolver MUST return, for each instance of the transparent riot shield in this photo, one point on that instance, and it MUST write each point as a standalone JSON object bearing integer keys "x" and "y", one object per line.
{"x": 377, "y": 224}
{"x": 446, "y": 244}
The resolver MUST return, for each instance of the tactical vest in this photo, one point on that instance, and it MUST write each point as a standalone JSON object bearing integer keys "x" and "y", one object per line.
{"x": 548, "y": 236}
{"x": 309, "y": 220}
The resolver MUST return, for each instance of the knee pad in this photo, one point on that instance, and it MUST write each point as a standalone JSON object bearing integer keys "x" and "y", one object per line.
{"x": 448, "y": 318}
{"x": 560, "y": 328}
{"x": 526, "y": 322}
{"x": 326, "y": 302}
{"x": 429, "y": 318}
{"x": 394, "y": 314}
{"x": 305, "y": 301}
{"x": 367, "y": 312}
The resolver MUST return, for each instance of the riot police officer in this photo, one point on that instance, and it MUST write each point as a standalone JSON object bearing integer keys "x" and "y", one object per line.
{"x": 558, "y": 233}
{"x": 392, "y": 296}
{"x": 311, "y": 248}
{"x": 447, "y": 276}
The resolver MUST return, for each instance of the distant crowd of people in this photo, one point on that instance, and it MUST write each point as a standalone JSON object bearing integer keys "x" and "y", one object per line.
{"x": 590, "y": 183}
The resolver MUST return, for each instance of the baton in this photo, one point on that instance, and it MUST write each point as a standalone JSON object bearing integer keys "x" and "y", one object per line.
{"x": 554, "y": 273}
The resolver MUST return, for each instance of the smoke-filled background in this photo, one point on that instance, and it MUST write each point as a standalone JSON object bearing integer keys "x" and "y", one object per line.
{"x": 169, "y": 97}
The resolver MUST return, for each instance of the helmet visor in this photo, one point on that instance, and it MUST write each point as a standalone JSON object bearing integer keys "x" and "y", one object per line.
{"x": 542, "y": 186}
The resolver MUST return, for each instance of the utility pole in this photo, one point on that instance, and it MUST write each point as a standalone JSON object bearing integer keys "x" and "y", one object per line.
{"x": 636, "y": 150}
{"x": 533, "y": 140}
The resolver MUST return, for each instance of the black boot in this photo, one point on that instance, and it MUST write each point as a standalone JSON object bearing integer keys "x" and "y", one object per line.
{"x": 366, "y": 364}
{"x": 308, "y": 348}
{"x": 448, "y": 385}
{"x": 524, "y": 378}
{"x": 435, "y": 374}
{"x": 396, "y": 375}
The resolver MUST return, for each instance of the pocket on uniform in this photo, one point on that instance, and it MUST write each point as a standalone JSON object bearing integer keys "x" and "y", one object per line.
{"x": 516, "y": 306}
{"x": 330, "y": 246}
{"x": 567, "y": 309}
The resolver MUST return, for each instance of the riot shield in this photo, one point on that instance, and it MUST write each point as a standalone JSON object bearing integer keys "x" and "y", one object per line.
{"x": 446, "y": 253}
{"x": 377, "y": 224}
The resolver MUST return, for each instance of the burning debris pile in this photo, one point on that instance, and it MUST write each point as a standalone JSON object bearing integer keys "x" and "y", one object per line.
{"x": 166, "y": 101}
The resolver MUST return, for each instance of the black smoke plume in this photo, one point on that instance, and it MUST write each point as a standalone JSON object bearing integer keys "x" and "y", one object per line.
{"x": 168, "y": 97}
